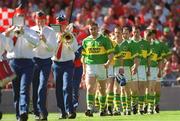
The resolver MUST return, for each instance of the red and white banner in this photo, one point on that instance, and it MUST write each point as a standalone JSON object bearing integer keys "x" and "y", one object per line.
{"x": 6, "y": 15}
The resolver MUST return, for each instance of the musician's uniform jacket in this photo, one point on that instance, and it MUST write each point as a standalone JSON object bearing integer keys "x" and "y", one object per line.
{"x": 5, "y": 44}
{"x": 42, "y": 60}
{"x": 45, "y": 49}
{"x": 67, "y": 50}
{"x": 22, "y": 64}
{"x": 63, "y": 69}
{"x": 23, "y": 48}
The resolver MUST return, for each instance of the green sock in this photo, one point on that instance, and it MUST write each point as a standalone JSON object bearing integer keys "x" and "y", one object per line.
{"x": 124, "y": 103}
{"x": 134, "y": 100}
{"x": 90, "y": 101}
{"x": 117, "y": 101}
{"x": 157, "y": 99}
{"x": 102, "y": 100}
{"x": 151, "y": 98}
{"x": 109, "y": 100}
{"x": 140, "y": 102}
{"x": 97, "y": 101}
{"x": 146, "y": 99}
{"x": 129, "y": 102}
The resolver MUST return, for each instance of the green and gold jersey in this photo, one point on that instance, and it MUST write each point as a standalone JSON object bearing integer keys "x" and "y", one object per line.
{"x": 96, "y": 51}
{"x": 156, "y": 53}
{"x": 144, "y": 51}
{"x": 126, "y": 51}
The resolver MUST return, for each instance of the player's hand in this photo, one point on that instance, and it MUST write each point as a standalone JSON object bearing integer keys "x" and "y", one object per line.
{"x": 148, "y": 73}
{"x": 42, "y": 37}
{"x": 134, "y": 70}
{"x": 106, "y": 65}
{"x": 121, "y": 70}
{"x": 83, "y": 76}
{"x": 159, "y": 74}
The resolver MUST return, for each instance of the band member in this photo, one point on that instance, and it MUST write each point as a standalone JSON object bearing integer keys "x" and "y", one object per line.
{"x": 25, "y": 39}
{"x": 6, "y": 44}
{"x": 63, "y": 68}
{"x": 78, "y": 69}
{"x": 42, "y": 60}
{"x": 96, "y": 57}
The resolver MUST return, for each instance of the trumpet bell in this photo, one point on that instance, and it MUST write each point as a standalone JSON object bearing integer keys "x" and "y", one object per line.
{"x": 67, "y": 38}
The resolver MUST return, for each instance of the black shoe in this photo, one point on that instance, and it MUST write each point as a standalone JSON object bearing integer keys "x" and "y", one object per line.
{"x": 64, "y": 116}
{"x": 124, "y": 113}
{"x": 128, "y": 112}
{"x": 23, "y": 117}
{"x": 134, "y": 109}
{"x": 43, "y": 117}
{"x": 141, "y": 112}
{"x": 103, "y": 113}
{"x": 145, "y": 109}
{"x": 116, "y": 113}
{"x": 109, "y": 111}
{"x": 72, "y": 115}
{"x": 89, "y": 113}
{"x": 151, "y": 112}
{"x": 157, "y": 109}
{"x": 0, "y": 115}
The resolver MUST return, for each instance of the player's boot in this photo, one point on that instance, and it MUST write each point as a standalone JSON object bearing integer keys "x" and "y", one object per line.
{"x": 89, "y": 113}
{"x": 157, "y": 109}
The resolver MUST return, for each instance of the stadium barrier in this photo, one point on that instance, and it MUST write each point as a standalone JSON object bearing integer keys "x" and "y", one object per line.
{"x": 170, "y": 100}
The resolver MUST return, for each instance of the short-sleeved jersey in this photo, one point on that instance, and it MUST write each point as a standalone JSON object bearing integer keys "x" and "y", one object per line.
{"x": 156, "y": 53}
{"x": 144, "y": 51}
{"x": 114, "y": 45}
{"x": 96, "y": 51}
{"x": 127, "y": 51}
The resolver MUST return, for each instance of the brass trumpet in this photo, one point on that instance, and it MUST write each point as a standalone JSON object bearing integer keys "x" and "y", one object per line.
{"x": 67, "y": 38}
{"x": 18, "y": 30}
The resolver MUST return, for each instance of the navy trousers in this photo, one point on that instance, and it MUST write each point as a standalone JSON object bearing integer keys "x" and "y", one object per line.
{"x": 63, "y": 75}
{"x": 21, "y": 84}
{"x": 40, "y": 80}
{"x": 76, "y": 83}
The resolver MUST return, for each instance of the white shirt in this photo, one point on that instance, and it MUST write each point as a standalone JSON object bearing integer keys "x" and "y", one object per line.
{"x": 5, "y": 44}
{"x": 45, "y": 49}
{"x": 68, "y": 52}
{"x": 24, "y": 45}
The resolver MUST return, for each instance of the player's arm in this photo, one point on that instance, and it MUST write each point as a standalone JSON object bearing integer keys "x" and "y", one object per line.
{"x": 160, "y": 68}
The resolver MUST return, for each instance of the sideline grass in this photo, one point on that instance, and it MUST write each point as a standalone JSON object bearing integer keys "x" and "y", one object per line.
{"x": 162, "y": 116}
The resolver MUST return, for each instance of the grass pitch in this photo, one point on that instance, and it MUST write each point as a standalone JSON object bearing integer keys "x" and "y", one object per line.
{"x": 162, "y": 116}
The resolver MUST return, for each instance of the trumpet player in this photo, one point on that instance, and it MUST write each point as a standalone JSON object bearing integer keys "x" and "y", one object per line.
{"x": 22, "y": 64}
{"x": 42, "y": 60}
{"x": 63, "y": 69}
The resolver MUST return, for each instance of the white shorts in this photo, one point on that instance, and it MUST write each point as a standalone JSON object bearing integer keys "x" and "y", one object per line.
{"x": 110, "y": 71}
{"x": 127, "y": 72}
{"x": 142, "y": 76}
{"x": 96, "y": 70}
{"x": 153, "y": 74}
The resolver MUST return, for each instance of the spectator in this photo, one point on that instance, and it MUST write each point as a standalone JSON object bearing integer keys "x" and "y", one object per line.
{"x": 176, "y": 47}
{"x": 168, "y": 36}
{"x": 172, "y": 69}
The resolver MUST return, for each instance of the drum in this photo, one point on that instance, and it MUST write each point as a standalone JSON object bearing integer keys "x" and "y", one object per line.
{"x": 6, "y": 74}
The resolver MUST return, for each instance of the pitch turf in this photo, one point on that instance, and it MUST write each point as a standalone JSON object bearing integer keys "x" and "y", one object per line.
{"x": 162, "y": 116}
